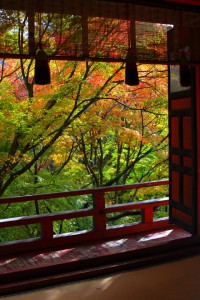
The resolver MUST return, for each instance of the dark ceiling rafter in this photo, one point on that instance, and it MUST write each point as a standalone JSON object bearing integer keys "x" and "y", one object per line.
{"x": 180, "y": 5}
{"x": 60, "y": 6}
{"x": 161, "y": 3}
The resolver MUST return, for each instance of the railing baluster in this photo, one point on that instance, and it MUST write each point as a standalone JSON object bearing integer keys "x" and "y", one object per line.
{"x": 99, "y": 220}
{"x": 147, "y": 214}
{"x": 47, "y": 230}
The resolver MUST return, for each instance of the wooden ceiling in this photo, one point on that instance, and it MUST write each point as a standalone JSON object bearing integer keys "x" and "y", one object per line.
{"x": 59, "y": 5}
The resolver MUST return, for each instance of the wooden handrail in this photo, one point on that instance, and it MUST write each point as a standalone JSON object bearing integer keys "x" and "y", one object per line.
{"x": 83, "y": 191}
{"x": 137, "y": 205}
{"x": 98, "y": 213}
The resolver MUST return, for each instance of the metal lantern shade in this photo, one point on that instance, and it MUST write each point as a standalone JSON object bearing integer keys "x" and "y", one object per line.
{"x": 42, "y": 69}
{"x": 131, "y": 72}
{"x": 185, "y": 75}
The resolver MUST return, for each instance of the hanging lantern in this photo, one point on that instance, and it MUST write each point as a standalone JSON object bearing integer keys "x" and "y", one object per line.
{"x": 184, "y": 70}
{"x": 185, "y": 75}
{"x": 42, "y": 69}
{"x": 131, "y": 72}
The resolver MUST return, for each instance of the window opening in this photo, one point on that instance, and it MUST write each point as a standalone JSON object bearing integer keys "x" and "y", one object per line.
{"x": 99, "y": 129}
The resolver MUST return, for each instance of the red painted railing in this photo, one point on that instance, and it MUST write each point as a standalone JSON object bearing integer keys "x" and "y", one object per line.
{"x": 98, "y": 213}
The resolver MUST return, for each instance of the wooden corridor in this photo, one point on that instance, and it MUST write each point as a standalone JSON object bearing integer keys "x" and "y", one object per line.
{"x": 179, "y": 281}
{"x": 51, "y": 259}
{"x": 37, "y": 269}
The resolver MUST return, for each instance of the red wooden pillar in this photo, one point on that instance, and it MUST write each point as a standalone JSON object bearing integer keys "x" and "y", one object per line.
{"x": 183, "y": 152}
{"x": 147, "y": 215}
{"x": 198, "y": 144}
{"x": 47, "y": 230}
{"x": 99, "y": 221}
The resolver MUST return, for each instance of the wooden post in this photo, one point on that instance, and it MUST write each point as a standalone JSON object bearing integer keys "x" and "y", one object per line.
{"x": 198, "y": 144}
{"x": 99, "y": 221}
{"x": 31, "y": 33}
{"x": 85, "y": 46}
{"x": 147, "y": 215}
{"x": 47, "y": 230}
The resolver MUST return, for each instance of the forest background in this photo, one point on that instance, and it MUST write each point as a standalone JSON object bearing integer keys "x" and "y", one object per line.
{"x": 86, "y": 129}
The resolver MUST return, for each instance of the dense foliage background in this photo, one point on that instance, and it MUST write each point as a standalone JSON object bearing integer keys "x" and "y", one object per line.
{"x": 86, "y": 129}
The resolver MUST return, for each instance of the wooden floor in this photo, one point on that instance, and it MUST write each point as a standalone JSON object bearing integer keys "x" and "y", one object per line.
{"x": 34, "y": 270}
{"x": 177, "y": 280}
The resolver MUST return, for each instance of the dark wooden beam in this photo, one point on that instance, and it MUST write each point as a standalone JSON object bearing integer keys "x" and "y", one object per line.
{"x": 61, "y": 6}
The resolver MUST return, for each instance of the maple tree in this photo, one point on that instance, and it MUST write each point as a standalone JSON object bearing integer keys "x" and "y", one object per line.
{"x": 114, "y": 134}
{"x": 123, "y": 137}
{"x": 38, "y": 122}
{"x": 86, "y": 129}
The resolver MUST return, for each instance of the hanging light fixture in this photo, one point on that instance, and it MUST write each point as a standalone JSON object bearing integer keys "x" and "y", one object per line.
{"x": 185, "y": 75}
{"x": 184, "y": 70}
{"x": 42, "y": 69}
{"x": 131, "y": 72}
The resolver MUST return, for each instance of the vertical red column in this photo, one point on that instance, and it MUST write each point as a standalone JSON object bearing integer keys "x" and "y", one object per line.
{"x": 100, "y": 216}
{"x": 183, "y": 153}
{"x": 198, "y": 144}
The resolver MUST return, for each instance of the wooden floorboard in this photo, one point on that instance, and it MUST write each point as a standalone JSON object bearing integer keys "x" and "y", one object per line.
{"x": 177, "y": 280}
{"x": 52, "y": 266}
